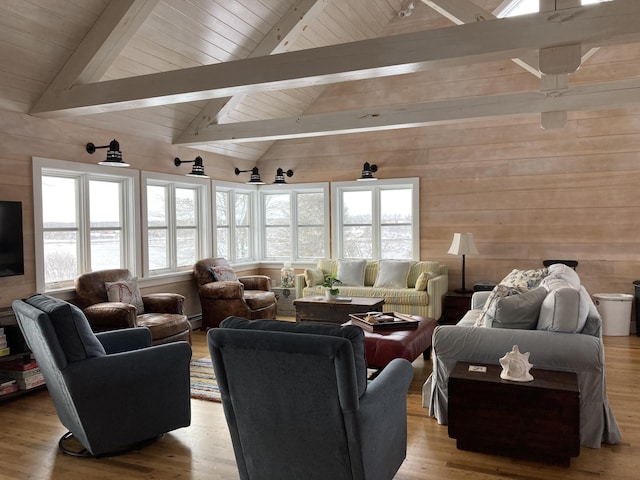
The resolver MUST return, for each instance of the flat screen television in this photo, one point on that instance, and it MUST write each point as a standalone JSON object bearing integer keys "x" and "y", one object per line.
{"x": 11, "y": 245}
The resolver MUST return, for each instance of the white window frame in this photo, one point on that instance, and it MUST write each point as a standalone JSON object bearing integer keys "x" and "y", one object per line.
{"x": 231, "y": 188}
{"x": 337, "y": 221}
{"x": 202, "y": 188}
{"x": 294, "y": 190}
{"x": 130, "y": 216}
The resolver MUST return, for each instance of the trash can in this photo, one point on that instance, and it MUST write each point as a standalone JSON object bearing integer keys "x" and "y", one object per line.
{"x": 615, "y": 310}
{"x": 636, "y": 284}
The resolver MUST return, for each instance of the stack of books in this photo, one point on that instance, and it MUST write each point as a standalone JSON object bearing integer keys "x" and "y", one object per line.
{"x": 27, "y": 375}
{"x": 7, "y": 386}
{"x": 4, "y": 348}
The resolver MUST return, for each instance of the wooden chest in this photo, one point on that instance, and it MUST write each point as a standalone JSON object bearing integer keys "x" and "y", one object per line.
{"x": 285, "y": 298}
{"x": 537, "y": 420}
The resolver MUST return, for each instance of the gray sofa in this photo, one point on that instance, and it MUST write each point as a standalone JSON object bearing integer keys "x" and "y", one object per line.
{"x": 565, "y": 335}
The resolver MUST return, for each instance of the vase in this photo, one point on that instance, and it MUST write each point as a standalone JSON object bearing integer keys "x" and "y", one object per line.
{"x": 287, "y": 278}
{"x": 328, "y": 295}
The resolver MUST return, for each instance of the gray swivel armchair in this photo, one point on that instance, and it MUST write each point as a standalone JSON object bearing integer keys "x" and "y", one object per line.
{"x": 112, "y": 390}
{"x": 297, "y": 402}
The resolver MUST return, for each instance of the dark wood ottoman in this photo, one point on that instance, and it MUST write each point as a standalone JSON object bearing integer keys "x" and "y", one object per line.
{"x": 384, "y": 345}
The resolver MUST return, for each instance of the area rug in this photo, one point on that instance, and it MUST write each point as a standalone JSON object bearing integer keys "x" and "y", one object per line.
{"x": 203, "y": 381}
{"x": 205, "y": 387}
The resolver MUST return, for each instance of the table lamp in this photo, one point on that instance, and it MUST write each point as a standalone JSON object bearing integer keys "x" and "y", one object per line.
{"x": 463, "y": 244}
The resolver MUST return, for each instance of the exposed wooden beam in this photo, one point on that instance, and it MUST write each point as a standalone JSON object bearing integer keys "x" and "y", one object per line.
{"x": 109, "y": 35}
{"x": 607, "y": 23}
{"x": 583, "y": 97}
{"x": 551, "y": 65}
{"x": 280, "y": 37}
{"x": 466, "y": 11}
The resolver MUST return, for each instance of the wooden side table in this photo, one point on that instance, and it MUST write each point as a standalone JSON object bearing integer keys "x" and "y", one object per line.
{"x": 538, "y": 420}
{"x": 284, "y": 299}
{"x": 454, "y": 307}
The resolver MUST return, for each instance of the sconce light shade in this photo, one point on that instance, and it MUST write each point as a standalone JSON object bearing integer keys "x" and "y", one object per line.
{"x": 255, "y": 175}
{"x": 280, "y": 176}
{"x": 114, "y": 155}
{"x": 198, "y": 167}
{"x": 463, "y": 244}
{"x": 367, "y": 172}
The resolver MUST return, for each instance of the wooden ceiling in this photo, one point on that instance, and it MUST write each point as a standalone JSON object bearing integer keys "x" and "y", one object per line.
{"x": 231, "y": 77}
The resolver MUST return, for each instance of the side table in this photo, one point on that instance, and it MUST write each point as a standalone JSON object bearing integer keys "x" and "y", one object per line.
{"x": 454, "y": 307}
{"x": 284, "y": 299}
{"x": 538, "y": 420}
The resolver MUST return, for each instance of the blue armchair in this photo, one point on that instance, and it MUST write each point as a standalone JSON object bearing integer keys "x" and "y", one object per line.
{"x": 297, "y": 402}
{"x": 112, "y": 390}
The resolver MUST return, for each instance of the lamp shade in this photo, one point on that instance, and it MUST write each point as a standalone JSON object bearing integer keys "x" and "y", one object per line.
{"x": 463, "y": 244}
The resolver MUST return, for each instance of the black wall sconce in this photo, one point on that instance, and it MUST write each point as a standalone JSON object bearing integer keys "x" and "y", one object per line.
{"x": 255, "y": 175}
{"x": 280, "y": 176}
{"x": 367, "y": 172}
{"x": 114, "y": 155}
{"x": 197, "y": 170}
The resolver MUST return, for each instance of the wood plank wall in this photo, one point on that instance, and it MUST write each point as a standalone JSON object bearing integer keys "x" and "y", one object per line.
{"x": 526, "y": 193}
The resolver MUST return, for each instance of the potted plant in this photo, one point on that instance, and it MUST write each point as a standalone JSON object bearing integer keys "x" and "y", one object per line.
{"x": 330, "y": 282}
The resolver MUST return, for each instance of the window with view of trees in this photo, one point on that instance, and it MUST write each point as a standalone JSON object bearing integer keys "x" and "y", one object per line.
{"x": 82, "y": 222}
{"x": 175, "y": 236}
{"x": 234, "y": 223}
{"x": 376, "y": 220}
{"x": 295, "y": 221}
{"x": 86, "y": 219}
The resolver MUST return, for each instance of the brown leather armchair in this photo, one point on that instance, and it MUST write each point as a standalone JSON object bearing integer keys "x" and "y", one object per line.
{"x": 163, "y": 313}
{"x": 223, "y": 295}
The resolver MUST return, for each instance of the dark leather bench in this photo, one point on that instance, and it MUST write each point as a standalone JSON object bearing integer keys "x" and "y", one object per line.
{"x": 409, "y": 343}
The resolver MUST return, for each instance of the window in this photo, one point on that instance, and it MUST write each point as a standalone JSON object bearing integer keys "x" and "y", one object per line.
{"x": 295, "y": 220}
{"x": 235, "y": 231}
{"x": 376, "y": 220}
{"x": 81, "y": 221}
{"x": 175, "y": 209}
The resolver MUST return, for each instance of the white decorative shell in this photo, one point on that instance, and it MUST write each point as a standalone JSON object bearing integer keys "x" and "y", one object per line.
{"x": 516, "y": 366}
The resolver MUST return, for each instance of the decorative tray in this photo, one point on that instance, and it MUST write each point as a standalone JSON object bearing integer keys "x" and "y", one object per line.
{"x": 372, "y": 321}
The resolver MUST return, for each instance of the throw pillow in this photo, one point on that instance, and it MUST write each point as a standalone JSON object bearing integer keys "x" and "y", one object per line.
{"x": 559, "y": 270}
{"x": 564, "y": 309}
{"x": 519, "y": 311}
{"x": 515, "y": 282}
{"x": 423, "y": 280}
{"x": 351, "y": 272}
{"x": 71, "y": 326}
{"x": 313, "y": 276}
{"x": 328, "y": 266}
{"x": 224, "y": 273}
{"x": 392, "y": 274}
{"x": 125, "y": 291}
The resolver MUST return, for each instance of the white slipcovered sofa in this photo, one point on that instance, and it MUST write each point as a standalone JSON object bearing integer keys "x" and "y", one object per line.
{"x": 550, "y": 315}
{"x": 414, "y": 288}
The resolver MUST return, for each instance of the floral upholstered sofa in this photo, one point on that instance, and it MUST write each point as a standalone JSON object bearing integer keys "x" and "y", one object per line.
{"x": 414, "y": 288}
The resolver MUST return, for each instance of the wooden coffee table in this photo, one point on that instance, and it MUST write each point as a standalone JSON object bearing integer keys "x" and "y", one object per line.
{"x": 317, "y": 309}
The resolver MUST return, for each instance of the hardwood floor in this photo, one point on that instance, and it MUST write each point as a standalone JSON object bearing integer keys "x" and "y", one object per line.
{"x": 30, "y": 429}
